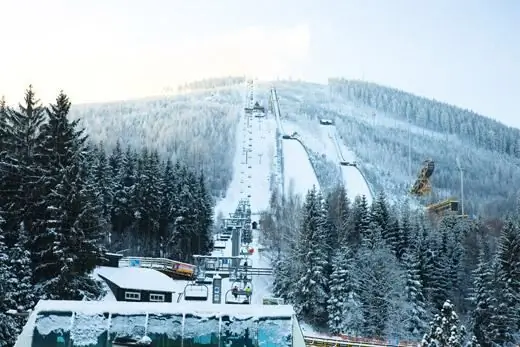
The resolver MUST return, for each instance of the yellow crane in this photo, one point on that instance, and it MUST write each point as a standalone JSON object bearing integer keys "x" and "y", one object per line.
{"x": 423, "y": 187}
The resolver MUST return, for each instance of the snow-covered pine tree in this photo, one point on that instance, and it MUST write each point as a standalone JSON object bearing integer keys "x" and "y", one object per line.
{"x": 338, "y": 211}
{"x": 505, "y": 318}
{"x": 380, "y": 215}
{"x": 67, "y": 243}
{"x": 439, "y": 285}
{"x": 382, "y": 282}
{"x": 311, "y": 299}
{"x": 24, "y": 186}
{"x": 122, "y": 208}
{"x": 405, "y": 231}
{"x": 146, "y": 202}
{"x": 186, "y": 219}
{"x": 343, "y": 306}
{"x": 9, "y": 328}
{"x": 482, "y": 297}
{"x": 20, "y": 264}
{"x": 102, "y": 182}
{"x": 416, "y": 314}
{"x": 167, "y": 210}
{"x": 284, "y": 276}
{"x": 205, "y": 215}
{"x": 358, "y": 222}
{"x": 445, "y": 329}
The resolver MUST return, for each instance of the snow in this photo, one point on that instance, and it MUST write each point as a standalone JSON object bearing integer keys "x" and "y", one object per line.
{"x": 299, "y": 173}
{"x": 324, "y": 140}
{"x": 353, "y": 177}
{"x": 140, "y": 308}
{"x": 262, "y": 154}
{"x": 138, "y": 278}
{"x": 235, "y": 190}
{"x": 87, "y": 320}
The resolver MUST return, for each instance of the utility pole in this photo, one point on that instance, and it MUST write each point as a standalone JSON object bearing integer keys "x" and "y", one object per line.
{"x": 459, "y": 166}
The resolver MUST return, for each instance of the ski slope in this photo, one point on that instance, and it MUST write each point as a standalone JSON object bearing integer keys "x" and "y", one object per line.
{"x": 355, "y": 182}
{"x": 261, "y": 162}
{"x": 299, "y": 176}
{"x": 235, "y": 191}
{"x": 353, "y": 178}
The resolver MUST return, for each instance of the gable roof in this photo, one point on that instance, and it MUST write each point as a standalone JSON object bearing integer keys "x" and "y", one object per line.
{"x": 137, "y": 278}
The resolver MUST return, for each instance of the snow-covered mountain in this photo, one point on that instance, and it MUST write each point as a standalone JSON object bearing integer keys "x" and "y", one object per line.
{"x": 370, "y": 122}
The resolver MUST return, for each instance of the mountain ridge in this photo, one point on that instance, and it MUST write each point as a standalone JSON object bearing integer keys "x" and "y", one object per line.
{"x": 210, "y": 111}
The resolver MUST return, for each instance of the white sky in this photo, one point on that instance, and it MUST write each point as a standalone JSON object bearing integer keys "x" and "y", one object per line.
{"x": 465, "y": 52}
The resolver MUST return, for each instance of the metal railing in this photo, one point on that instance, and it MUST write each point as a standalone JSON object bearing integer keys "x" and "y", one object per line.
{"x": 353, "y": 342}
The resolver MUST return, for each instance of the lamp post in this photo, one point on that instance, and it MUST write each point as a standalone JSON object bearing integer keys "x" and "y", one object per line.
{"x": 459, "y": 166}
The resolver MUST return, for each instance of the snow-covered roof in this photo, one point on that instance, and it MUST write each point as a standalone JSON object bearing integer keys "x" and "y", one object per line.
{"x": 137, "y": 278}
{"x": 196, "y": 308}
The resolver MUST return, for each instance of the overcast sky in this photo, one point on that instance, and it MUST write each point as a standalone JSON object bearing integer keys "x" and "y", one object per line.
{"x": 465, "y": 52}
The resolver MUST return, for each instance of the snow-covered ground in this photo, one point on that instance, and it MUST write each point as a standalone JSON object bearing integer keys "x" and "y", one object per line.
{"x": 324, "y": 140}
{"x": 298, "y": 171}
{"x": 235, "y": 191}
{"x": 261, "y": 161}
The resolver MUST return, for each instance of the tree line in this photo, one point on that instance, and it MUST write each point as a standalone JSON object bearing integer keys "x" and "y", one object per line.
{"x": 491, "y": 171}
{"x": 380, "y": 271}
{"x": 64, "y": 203}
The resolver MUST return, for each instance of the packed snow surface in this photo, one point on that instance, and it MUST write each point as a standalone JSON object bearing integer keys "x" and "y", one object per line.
{"x": 135, "y": 308}
{"x": 137, "y": 278}
{"x": 299, "y": 173}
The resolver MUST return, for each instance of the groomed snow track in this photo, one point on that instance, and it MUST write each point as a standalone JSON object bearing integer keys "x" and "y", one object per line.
{"x": 299, "y": 157}
{"x": 353, "y": 177}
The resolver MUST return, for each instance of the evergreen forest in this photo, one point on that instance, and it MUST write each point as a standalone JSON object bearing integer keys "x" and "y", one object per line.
{"x": 379, "y": 271}
{"x": 65, "y": 201}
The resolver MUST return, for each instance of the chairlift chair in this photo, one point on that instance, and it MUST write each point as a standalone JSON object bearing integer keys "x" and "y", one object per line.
{"x": 242, "y": 298}
{"x": 196, "y": 292}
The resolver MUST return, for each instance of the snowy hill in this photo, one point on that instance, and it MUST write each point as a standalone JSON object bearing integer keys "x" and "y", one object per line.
{"x": 200, "y": 126}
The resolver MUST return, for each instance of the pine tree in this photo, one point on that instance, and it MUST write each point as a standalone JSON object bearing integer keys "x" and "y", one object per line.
{"x": 416, "y": 312}
{"x": 9, "y": 328}
{"x": 102, "y": 181}
{"x": 338, "y": 212}
{"x": 23, "y": 172}
{"x": 445, "y": 329}
{"x": 382, "y": 283}
{"x": 483, "y": 287}
{"x": 505, "y": 317}
{"x": 284, "y": 278}
{"x": 167, "y": 210}
{"x": 344, "y": 307}
{"x": 20, "y": 264}
{"x": 66, "y": 246}
{"x": 205, "y": 216}
{"x": 381, "y": 216}
{"x": 359, "y": 221}
{"x": 312, "y": 256}
{"x": 122, "y": 215}
{"x": 405, "y": 231}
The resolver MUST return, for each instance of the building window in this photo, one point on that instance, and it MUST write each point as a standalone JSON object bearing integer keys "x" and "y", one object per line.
{"x": 157, "y": 297}
{"x": 132, "y": 296}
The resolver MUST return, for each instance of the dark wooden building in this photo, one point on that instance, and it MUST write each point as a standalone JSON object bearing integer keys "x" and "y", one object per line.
{"x": 137, "y": 284}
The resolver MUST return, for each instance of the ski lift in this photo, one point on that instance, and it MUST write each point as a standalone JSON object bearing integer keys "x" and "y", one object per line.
{"x": 239, "y": 296}
{"x": 196, "y": 292}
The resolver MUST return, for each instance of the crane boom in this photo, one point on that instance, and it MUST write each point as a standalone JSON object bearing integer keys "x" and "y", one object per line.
{"x": 422, "y": 184}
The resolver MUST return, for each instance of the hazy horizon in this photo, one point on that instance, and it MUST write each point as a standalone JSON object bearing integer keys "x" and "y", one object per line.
{"x": 464, "y": 53}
